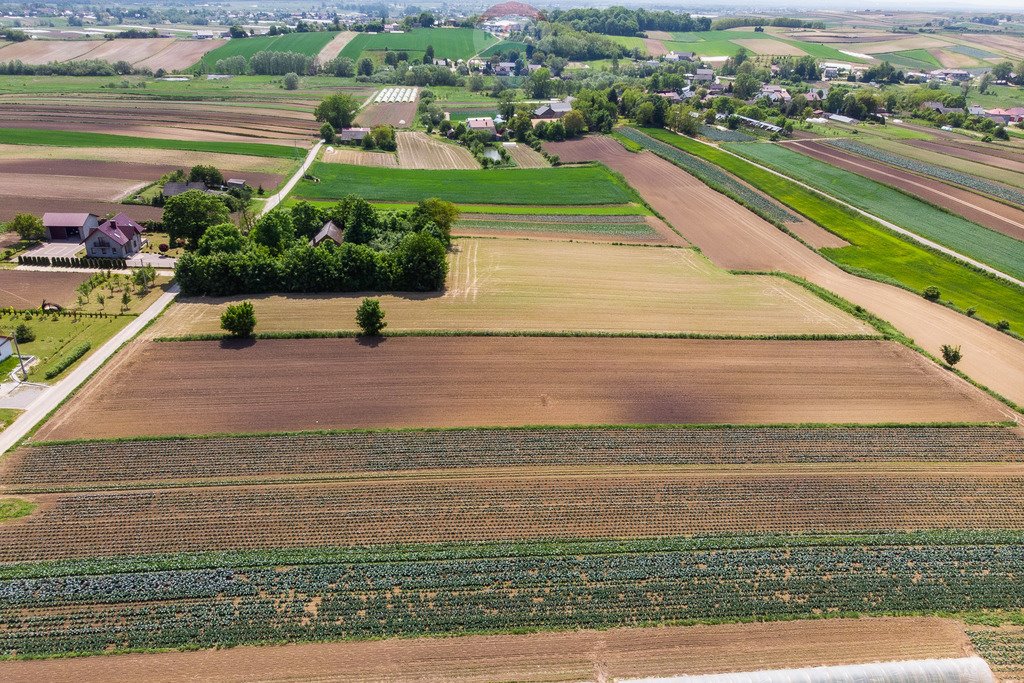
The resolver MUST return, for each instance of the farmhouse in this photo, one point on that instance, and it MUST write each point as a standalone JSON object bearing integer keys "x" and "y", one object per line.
{"x": 505, "y": 69}
{"x": 679, "y": 56}
{"x": 552, "y": 110}
{"x": 775, "y": 93}
{"x": 330, "y": 232}
{"x": 119, "y": 237}
{"x": 69, "y": 226}
{"x": 704, "y": 76}
{"x": 352, "y": 136}
{"x": 482, "y": 124}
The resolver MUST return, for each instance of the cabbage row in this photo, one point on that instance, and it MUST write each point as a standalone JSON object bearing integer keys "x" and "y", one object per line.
{"x": 557, "y": 588}
{"x": 931, "y": 170}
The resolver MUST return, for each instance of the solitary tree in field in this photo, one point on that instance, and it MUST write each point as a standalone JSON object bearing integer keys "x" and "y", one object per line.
{"x": 370, "y": 317}
{"x": 239, "y": 320}
{"x": 951, "y": 354}
{"x": 291, "y": 81}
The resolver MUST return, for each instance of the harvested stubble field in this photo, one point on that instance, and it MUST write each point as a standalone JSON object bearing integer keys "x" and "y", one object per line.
{"x": 749, "y": 243}
{"x": 623, "y": 229}
{"x": 397, "y": 114}
{"x": 577, "y": 655}
{"x": 970, "y": 205}
{"x": 357, "y": 157}
{"x": 516, "y": 285}
{"x": 190, "y": 121}
{"x": 525, "y": 156}
{"x": 90, "y": 465}
{"x": 112, "y": 157}
{"x": 474, "y": 381}
{"x": 25, "y": 289}
{"x": 156, "y": 53}
{"x": 418, "y": 150}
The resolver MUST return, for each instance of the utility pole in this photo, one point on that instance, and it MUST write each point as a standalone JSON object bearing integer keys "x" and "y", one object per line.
{"x": 21, "y": 361}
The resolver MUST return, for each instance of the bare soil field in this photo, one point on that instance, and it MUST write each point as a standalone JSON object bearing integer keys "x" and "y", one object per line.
{"x": 46, "y": 51}
{"x": 165, "y": 157}
{"x": 659, "y": 35}
{"x": 525, "y": 156}
{"x": 953, "y": 60}
{"x": 196, "y": 121}
{"x": 11, "y": 205}
{"x": 351, "y": 155}
{"x": 1006, "y": 159}
{"x": 507, "y": 381}
{"x": 1009, "y": 45}
{"x": 418, "y": 150}
{"x": 972, "y": 206}
{"x": 534, "y": 658}
{"x": 397, "y": 114}
{"x": 70, "y": 187}
{"x": 180, "y": 55}
{"x": 334, "y": 48}
{"x": 900, "y": 44}
{"x": 515, "y": 285}
{"x": 767, "y": 46}
{"x": 139, "y": 172}
{"x": 24, "y": 289}
{"x": 132, "y": 50}
{"x": 741, "y": 240}
{"x": 660, "y": 233}
{"x": 655, "y": 48}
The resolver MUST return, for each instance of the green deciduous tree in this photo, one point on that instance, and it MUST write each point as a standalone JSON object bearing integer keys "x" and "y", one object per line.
{"x": 210, "y": 175}
{"x": 274, "y": 231}
{"x": 221, "y": 238}
{"x": 28, "y": 227}
{"x": 188, "y": 215}
{"x": 421, "y": 260}
{"x": 291, "y": 81}
{"x": 339, "y": 110}
{"x": 951, "y": 354}
{"x": 327, "y": 133}
{"x": 307, "y": 219}
{"x": 239, "y": 320}
{"x": 370, "y": 317}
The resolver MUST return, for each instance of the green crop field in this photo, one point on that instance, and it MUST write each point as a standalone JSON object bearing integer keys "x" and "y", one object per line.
{"x": 60, "y": 138}
{"x": 719, "y": 43}
{"x": 305, "y": 43}
{"x": 873, "y": 248}
{"x": 557, "y": 186}
{"x": 913, "y": 59}
{"x": 508, "y": 209}
{"x": 451, "y": 43}
{"x": 957, "y": 233}
{"x": 504, "y": 47}
{"x": 629, "y": 42}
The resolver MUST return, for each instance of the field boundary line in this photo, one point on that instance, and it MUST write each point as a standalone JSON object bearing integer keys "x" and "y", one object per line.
{"x": 891, "y": 226}
{"x": 569, "y": 334}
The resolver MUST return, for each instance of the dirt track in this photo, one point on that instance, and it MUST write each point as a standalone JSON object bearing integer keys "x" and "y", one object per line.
{"x": 579, "y": 655}
{"x": 747, "y": 242}
{"x": 25, "y": 289}
{"x": 476, "y": 381}
{"x": 974, "y": 207}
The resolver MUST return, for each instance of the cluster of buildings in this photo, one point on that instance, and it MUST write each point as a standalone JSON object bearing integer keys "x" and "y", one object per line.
{"x": 119, "y": 237}
{"x": 997, "y": 115}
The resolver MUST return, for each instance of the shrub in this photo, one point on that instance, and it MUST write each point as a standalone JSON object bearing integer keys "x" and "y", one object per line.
{"x": 370, "y": 317}
{"x": 327, "y": 132}
{"x": 24, "y": 334}
{"x": 239, "y": 319}
{"x": 932, "y": 293}
{"x": 1003, "y": 325}
{"x": 951, "y": 354}
{"x": 971, "y": 312}
{"x": 68, "y": 360}
{"x": 291, "y": 81}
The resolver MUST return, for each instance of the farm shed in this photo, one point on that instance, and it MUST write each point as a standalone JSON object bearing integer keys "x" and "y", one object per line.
{"x": 552, "y": 110}
{"x": 961, "y": 670}
{"x": 331, "y": 232}
{"x": 704, "y": 76}
{"x": 119, "y": 237}
{"x": 353, "y": 135}
{"x": 69, "y": 226}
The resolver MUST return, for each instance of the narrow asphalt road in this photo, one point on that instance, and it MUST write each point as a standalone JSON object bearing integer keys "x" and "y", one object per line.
{"x": 52, "y": 397}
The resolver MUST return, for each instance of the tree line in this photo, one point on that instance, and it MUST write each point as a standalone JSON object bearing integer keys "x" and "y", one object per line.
{"x": 621, "y": 21}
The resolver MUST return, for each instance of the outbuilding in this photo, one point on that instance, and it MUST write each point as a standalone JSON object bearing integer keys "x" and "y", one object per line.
{"x": 69, "y": 226}
{"x": 330, "y": 232}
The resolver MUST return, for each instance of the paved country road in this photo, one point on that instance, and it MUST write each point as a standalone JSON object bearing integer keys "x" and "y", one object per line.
{"x": 52, "y": 397}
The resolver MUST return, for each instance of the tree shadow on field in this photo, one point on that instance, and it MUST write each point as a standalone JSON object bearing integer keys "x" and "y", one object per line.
{"x": 237, "y": 343}
{"x": 371, "y": 342}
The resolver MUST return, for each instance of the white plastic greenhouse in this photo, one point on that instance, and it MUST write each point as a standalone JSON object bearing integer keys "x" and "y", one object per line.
{"x": 963, "y": 670}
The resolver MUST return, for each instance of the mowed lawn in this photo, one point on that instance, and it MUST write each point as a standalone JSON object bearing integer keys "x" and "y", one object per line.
{"x": 60, "y": 138}
{"x": 970, "y": 239}
{"x": 553, "y": 186}
{"x": 450, "y": 43}
{"x": 512, "y": 285}
{"x": 308, "y": 44}
{"x": 874, "y": 250}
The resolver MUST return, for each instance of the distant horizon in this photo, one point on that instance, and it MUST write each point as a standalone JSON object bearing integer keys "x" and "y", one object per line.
{"x": 980, "y": 6}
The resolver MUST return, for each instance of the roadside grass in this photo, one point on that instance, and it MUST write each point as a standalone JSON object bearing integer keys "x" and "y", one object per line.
{"x": 13, "y": 508}
{"x": 509, "y": 209}
{"x": 451, "y": 43}
{"x": 550, "y": 186}
{"x": 62, "y": 138}
{"x": 924, "y": 219}
{"x": 308, "y": 44}
{"x": 7, "y": 416}
{"x": 874, "y": 251}
{"x": 58, "y": 336}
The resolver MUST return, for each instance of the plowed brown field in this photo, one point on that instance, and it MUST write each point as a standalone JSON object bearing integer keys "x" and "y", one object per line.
{"x": 738, "y": 239}
{"x": 59, "y": 187}
{"x": 655, "y": 48}
{"x": 156, "y": 53}
{"x": 974, "y": 207}
{"x": 580, "y": 655}
{"x": 418, "y": 150}
{"x": 86, "y": 171}
{"x": 474, "y": 381}
{"x": 10, "y": 206}
{"x": 24, "y": 289}
{"x": 516, "y": 285}
{"x": 180, "y": 55}
{"x": 110, "y": 157}
{"x": 397, "y": 114}
{"x": 525, "y": 156}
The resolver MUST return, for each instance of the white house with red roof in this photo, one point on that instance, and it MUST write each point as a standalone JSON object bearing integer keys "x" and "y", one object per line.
{"x": 119, "y": 237}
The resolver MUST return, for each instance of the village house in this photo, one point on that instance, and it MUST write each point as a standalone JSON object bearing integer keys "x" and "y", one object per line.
{"x": 1011, "y": 115}
{"x": 330, "y": 232}
{"x": 352, "y": 136}
{"x": 775, "y": 93}
{"x": 679, "y": 56}
{"x": 940, "y": 108}
{"x": 483, "y": 125}
{"x": 6, "y": 350}
{"x": 552, "y": 110}
{"x": 69, "y": 226}
{"x": 704, "y": 76}
{"x": 504, "y": 69}
{"x": 119, "y": 237}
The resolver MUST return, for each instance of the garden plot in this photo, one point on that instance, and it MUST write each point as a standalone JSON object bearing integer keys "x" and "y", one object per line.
{"x": 26, "y": 289}
{"x": 516, "y": 285}
{"x": 419, "y": 150}
{"x": 525, "y": 156}
{"x": 511, "y": 381}
{"x": 358, "y": 157}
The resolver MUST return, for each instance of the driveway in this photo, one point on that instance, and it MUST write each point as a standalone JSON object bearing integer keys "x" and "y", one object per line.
{"x": 56, "y": 249}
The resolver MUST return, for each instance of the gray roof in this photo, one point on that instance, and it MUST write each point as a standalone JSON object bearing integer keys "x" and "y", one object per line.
{"x": 330, "y": 231}
{"x": 174, "y": 189}
{"x": 353, "y": 133}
